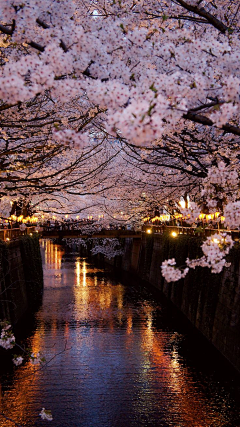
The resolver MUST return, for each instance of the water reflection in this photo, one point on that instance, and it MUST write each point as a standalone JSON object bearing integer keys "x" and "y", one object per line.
{"x": 110, "y": 366}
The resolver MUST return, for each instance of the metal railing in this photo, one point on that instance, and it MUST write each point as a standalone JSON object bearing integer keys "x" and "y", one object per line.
{"x": 53, "y": 233}
{"x": 15, "y": 233}
{"x": 192, "y": 231}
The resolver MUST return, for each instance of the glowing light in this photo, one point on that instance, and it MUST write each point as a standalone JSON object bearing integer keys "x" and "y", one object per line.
{"x": 182, "y": 203}
{"x": 149, "y": 231}
{"x": 209, "y": 217}
{"x": 177, "y": 216}
{"x": 161, "y": 218}
{"x": 146, "y": 219}
{"x": 174, "y": 234}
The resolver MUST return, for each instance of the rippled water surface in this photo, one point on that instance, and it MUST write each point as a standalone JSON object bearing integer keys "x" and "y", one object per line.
{"x": 115, "y": 359}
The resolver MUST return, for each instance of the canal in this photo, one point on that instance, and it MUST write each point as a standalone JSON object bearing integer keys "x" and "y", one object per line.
{"x": 116, "y": 357}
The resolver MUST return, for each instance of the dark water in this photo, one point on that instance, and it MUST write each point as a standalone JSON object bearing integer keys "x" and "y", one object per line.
{"x": 117, "y": 358}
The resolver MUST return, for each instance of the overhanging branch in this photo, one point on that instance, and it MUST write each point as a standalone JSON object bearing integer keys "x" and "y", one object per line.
{"x": 202, "y": 12}
{"x": 203, "y": 120}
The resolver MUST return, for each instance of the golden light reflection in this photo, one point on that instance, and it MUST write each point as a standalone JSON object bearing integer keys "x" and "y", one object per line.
{"x": 120, "y": 296}
{"x": 96, "y": 295}
{"x": 78, "y": 272}
{"x": 189, "y": 402}
{"x": 149, "y": 321}
{"x": 84, "y": 272}
{"x": 52, "y": 254}
{"x": 129, "y": 323}
{"x": 102, "y": 300}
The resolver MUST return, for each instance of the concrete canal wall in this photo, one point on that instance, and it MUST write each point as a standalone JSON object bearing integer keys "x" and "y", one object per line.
{"x": 210, "y": 301}
{"x": 21, "y": 278}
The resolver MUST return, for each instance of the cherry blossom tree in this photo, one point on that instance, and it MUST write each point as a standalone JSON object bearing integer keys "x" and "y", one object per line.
{"x": 124, "y": 103}
{"x": 157, "y": 80}
{"x": 135, "y": 62}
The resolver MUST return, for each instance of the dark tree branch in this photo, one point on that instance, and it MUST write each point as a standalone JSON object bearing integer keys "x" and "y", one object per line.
{"x": 6, "y": 30}
{"x": 42, "y": 24}
{"x": 231, "y": 129}
{"x": 190, "y": 18}
{"x": 37, "y": 46}
{"x": 7, "y": 106}
{"x": 203, "y": 120}
{"x": 9, "y": 31}
{"x": 202, "y": 12}
{"x": 63, "y": 46}
{"x": 205, "y": 106}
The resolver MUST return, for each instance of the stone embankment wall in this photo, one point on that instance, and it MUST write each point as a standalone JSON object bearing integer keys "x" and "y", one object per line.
{"x": 210, "y": 301}
{"x": 21, "y": 278}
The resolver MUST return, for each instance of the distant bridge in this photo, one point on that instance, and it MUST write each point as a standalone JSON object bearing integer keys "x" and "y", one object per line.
{"x": 103, "y": 234}
{"x": 53, "y": 233}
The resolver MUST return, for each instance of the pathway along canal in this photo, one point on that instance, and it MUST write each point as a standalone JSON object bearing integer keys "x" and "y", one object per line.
{"x": 128, "y": 362}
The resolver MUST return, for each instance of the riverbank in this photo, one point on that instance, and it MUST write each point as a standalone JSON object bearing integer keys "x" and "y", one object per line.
{"x": 21, "y": 278}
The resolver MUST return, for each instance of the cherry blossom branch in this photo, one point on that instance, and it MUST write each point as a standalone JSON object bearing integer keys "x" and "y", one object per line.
{"x": 9, "y": 31}
{"x": 205, "y": 106}
{"x": 202, "y": 12}
{"x": 7, "y": 106}
{"x": 203, "y": 120}
{"x": 5, "y": 30}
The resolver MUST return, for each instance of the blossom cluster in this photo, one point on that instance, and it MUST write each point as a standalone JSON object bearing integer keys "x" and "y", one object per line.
{"x": 221, "y": 185}
{"x": 191, "y": 213}
{"x": 7, "y": 339}
{"x": 37, "y": 358}
{"x": 46, "y": 414}
{"x": 77, "y": 241}
{"x": 17, "y": 360}
{"x": 108, "y": 247}
{"x": 171, "y": 273}
{"x": 120, "y": 60}
{"x": 214, "y": 248}
{"x": 232, "y": 215}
